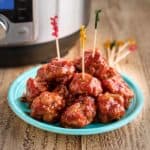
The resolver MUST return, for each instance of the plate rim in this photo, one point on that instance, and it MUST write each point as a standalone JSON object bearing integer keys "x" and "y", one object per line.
{"x": 81, "y": 131}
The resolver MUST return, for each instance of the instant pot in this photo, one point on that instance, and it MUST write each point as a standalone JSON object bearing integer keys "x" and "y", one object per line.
{"x": 25, "y": 31}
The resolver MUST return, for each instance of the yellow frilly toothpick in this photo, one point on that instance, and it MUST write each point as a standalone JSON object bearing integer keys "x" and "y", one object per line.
{"x": 82, "y": 36}
{"x": 82, "y": 44}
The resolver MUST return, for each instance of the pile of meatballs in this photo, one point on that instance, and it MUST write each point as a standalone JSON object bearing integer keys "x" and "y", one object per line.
{"x": 59, "y": 93}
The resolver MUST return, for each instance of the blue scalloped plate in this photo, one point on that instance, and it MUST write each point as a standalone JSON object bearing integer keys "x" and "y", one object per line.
{"x": 21, "y": 109}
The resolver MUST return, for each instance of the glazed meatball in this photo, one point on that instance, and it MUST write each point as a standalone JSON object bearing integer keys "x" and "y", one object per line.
{"x": 79, "y": 114}
{"x": 33, "y": 88}
{"x": 110, "y": 107}
{"x": 117, "y": 85}
{"x": 88, "y": 85}
{"x": 47, "y": 106}
{"x": 107, "y": 72}
{"x": 93, "y": 65}
{"x": 62, "y": 90}
{"x": 42, "y": 71}
{"x": 59, "y": 70}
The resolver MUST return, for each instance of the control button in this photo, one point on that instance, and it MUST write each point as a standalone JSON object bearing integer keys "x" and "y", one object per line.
{"x": 22, "y": 5}
{"x": 22, "y": 1}
{"x": 21, "y": 18}
{"x": 23, "y": 30}
{"x": 21, "y": 9}
{"x": 3, "y": 30}
{"x": 21, "y": 15}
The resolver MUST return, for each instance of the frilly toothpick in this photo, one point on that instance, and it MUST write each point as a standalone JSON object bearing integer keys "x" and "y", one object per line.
{"x": 82, "y": 44}
{"x": 54, "y": 23}
{"x": 118, "y": 50}
{"x": 95, "y": 31}
{"x": 125, "y": 50}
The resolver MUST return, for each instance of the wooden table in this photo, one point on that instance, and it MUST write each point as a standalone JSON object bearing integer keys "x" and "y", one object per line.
{"x": 120, "y": 20}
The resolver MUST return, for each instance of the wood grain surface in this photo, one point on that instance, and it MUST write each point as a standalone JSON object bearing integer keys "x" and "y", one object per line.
{"x": 120, "y": 19}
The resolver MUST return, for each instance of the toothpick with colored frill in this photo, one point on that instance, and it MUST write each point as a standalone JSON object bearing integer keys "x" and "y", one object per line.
{"x": 131, "y": 47}
{"x": 54, "y": 23}
{"x": 82, "y": 44}
{"x": 95, "y": 31}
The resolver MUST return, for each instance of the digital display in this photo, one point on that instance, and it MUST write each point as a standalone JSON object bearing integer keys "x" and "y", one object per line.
{"x": 6, "y": 4}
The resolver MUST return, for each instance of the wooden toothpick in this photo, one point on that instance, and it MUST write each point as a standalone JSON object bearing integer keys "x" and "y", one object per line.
{"x": 54, "y": 23}
{"x": 82, "y": 44}
{"x": 124, "y": 55}
{"x": 95, "y": 31}
{"x": 57, "y": 48}
{"x": 95, "y": 39}
{"x": 126, "y": 49}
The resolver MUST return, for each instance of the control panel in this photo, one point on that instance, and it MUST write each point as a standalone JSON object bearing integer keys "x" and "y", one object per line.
{"x": 18, "y": 23}
{"x": 17, "y": 10}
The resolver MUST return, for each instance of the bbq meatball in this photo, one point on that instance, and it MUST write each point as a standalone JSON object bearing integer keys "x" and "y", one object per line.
{"x": 62, "y": 90}
{"x": 47, "y": 106}
{"x": 107, "y": 72}
{"x": 117, "y": 85}
{"x": 88, "y": 85}
{"x": 59, "y": 70}
{"x": 93, "y": 65}
{"x": 42, "y": 72}
{"x": 33, "y": 88}
{"x": 79, "y": 114}
{"x": 110, "y": 107}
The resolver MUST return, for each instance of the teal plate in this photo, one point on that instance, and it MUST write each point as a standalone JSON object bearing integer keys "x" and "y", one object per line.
{"x": 21, "y": 109}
